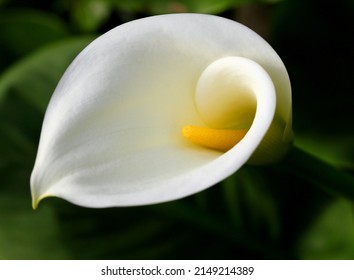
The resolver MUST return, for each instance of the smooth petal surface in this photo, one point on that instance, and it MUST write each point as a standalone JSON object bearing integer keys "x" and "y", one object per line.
{"x": 112, "y": 131}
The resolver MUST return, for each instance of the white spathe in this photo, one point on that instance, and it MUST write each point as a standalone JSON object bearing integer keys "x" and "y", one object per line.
{"x": 112, "y": 131}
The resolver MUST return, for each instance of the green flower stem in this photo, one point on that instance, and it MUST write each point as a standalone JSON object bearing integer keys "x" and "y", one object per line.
{"x": 320, "y": 173}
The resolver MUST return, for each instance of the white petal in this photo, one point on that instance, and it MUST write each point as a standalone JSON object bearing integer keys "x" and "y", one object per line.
{"x": 111, "y": 134}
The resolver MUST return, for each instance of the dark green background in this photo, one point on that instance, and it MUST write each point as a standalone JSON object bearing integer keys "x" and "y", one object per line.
{"x": 258, "y": 213}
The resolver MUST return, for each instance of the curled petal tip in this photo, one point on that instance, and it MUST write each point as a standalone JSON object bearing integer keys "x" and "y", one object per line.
{"x": 35, "y": 202}
{"x": 36, "y": 199}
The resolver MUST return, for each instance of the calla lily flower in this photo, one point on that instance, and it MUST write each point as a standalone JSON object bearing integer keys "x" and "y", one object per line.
{"x": 161, "y": 108}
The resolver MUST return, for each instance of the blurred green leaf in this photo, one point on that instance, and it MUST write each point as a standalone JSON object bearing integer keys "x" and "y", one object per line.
{"x": 214, "y": 6}
{"x": 206, "y": 6}
{"x": 181, "y": 6}
{"x": 23, "y": 31}
{"x": 337, "y": 149}
{"x": 129, "y": 6}
{"x": 170, "y": 230}
{"x": 28, "y": 234}
{"x": 242, "y": 191}
{"x": 323, "y": 175}
{"x": 35, "y": 77}
{"x": 331, "y": 236}
{"x": 89, "y": 15}
{"x": 271, "y": 1}
{"x": 15, "y": 146}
